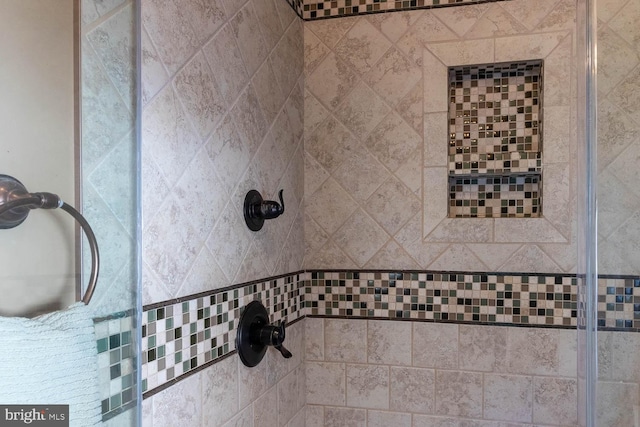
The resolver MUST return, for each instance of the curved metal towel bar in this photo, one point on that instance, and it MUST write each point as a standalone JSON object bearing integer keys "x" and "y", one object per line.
{"x": 15, "y": 204}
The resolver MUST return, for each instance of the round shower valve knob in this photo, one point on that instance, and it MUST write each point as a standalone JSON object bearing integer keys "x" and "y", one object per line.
{"x": 255, "y": 335}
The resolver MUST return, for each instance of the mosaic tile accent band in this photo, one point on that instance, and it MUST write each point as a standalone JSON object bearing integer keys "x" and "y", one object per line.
{"x": 314, "y": 9}
{"x": 181, "y": 337}
{"x": 486, "y": 298}
{"x": 116, "y": 363}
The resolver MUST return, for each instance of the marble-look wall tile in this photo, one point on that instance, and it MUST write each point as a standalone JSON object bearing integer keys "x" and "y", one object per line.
{"x": 617, "y": 403}
{"x": 461, "y": 19}
{"x": 225, "y": 59}
{"x": 265, "y": 409}
{"x": 289, "y": 392}
{"x": 193, "y": 192}
{"x": 389, "y": 342}
{"x": 360, "y": 174}
{"x": 496, "y": 22}
{"x": 326, "y": 383}
{"x": 362, "y": 110}
{"x": 508, "y": 397}
{"x": 393, "y": 142}
{"x": 188, "y": 410}
{"x": 314, "y": 416}
{"x": 392, "y": 204}
{"x": 254, "y": 51}
{"x": 314, "y": 339}
{"x": 167, "y": 135}
{"x": 435, "y": 345}
{"x": 299, "y": 420}
{"x": 331, "y": 81}
{"x": 555, "y": 400}
{"x": 428, "y": 421}
{"x": 200, "y": 95}
{"x": 393, "y": 76}
{"x": 340, "y": 417}
{"x": 252, "y": 382}
{"x": 361, "y": 237}
{"x": 625, "y": 357}
{"x": 270, "y": 96}
{"x": 393, "y": 25}
{"x": 464, "y": 52}
{"x": 607, "y": 9}
{"x": 314, "y": 50}
{"x": 458, "y": 393}
{"x": 412, "y": 390}
{"x": 362, "y": 46}
{"x": 244, "y": 419}
{"x": 171, "y": 227}
{"x": 385, "y": 419}
{"x": 220, "y": 399}
{"x": 541, "y": 352}
{"x": 170, "y": 30}
{"x": 427, "y": 29}
{"x": 345, "y": 341}
{"x": 368, "y": 386}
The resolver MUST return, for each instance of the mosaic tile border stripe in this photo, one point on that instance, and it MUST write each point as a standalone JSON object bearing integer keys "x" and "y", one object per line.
{"x": 486, "y": 298}
{"x": 115, "y": 343}
{"x": 181, "y": 337}
{"x": 314, "y": 9}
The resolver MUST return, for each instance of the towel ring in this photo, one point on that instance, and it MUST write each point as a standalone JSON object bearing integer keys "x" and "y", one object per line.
{"x": 15, "y": 204}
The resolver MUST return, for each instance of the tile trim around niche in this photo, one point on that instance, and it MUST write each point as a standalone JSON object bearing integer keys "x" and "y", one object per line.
{"x": 183, "y": 336}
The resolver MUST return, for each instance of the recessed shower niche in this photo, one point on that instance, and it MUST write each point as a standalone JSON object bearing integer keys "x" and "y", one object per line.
{"x": 495, "y": 140}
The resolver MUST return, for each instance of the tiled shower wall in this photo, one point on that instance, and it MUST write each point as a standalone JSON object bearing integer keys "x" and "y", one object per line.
{"x": 222, "y": 114}
{"x": 372, "y": 341}
{"x": 383, "y": 373}
{"x": 618, "y": 137}
{"x": 214, "y": 396}
{"x": 376, "y": 139}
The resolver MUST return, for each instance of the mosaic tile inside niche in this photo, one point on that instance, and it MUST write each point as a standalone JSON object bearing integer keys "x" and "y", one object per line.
{"x": 186, "y": 335}
{"x": 494, "y": 118}
{"x": 314, "y": 9}
{"x": 518, "y": 300}
{"x": 116, "y": 364}
{"x": 514, "y": 196}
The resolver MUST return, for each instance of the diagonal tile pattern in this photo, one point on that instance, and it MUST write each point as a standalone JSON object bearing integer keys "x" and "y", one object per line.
{"x": 222, "y": 115}
{"x": 618, "y": 135}
{"x": 381, "y": 80}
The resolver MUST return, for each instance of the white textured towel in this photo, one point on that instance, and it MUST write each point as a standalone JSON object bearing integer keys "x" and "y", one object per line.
{"x": 52, "y": 359}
